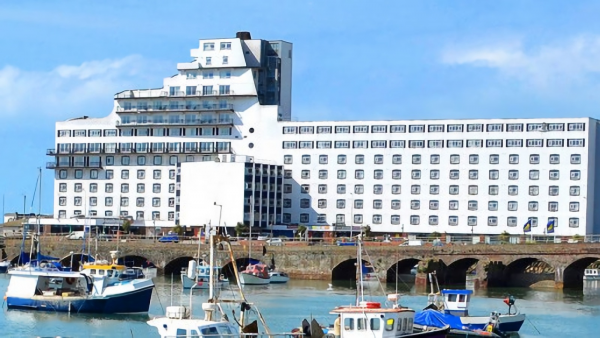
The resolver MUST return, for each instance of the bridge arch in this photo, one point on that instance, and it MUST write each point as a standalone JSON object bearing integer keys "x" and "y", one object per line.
{"x": 521, "y": 272}
{"x": 174, "y": 267}
{"x": 456, "y": 272}
{"x": 345, "y": 271}
{"x": 133, "y": 260}
{"x": 402, "y": 271}
{"x": 76, "y": 261}
{"x": 573, "y": 273}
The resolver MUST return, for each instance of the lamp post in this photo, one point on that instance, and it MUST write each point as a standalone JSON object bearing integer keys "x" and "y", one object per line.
{"x": 472, "y": 236}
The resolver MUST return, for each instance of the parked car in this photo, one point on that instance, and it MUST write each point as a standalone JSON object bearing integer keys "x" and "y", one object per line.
{"x": 275, "y": 242}
{"x": 262, "y": 238}
{"x": 171, "y": 237}
{"x": 105, "y": 237}
{"x": 76, "y": 235}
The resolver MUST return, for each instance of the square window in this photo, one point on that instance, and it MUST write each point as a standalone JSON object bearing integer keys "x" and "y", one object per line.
{"x": 534, "y": 159}
{"x": 416, "y": 159}
{"x": 434, "y": 174}
{"x": 454, "y": 159}
{"x": 473, "y": 159}
{"x": 575, "y": 175}
{"x": 513, "y": 174}
{"x": 574, "y": 190}
{"x": 554, "y": 175}
{"x": 397, "y": 159}
{"x": 323, "y": 159}
{"x": 575, "y": 159}
{"x": 554, "y": 159}
{"x": 493, "y": 205}
{"x": 453, "y": 205}
{"x": 359, "y": 159}
{"x": 493, "y": 190}
{"x": 494, "y": 159}
{"x": 534, "y": 174}
{"x": 473, "y": 190}
{"x": 341, "y": 159}
{"x": 513, "y": 159}
{"x": 434, "y": 159}
{"x": 454, "y": 174}
{"x": 534, "y": 190}
{"x": 494, "y": 174}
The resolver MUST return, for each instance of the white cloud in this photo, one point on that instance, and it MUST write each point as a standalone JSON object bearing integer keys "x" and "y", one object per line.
{"x": 75, "y": 90}
{"x": 558, "y": 64}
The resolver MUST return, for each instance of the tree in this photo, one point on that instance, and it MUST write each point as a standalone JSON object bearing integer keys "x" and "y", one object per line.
{"x": 301, "y": 231}
{"x": 240, "y": 228}
{"x": 178, "y": 229}
{"x": 367, "y": 231}
{"x": 504, "y": 237}
{"x": 126, "y": 225}
{"x": 435, "y": 235}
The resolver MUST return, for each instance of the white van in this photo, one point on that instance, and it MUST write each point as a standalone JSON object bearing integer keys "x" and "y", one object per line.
{"x": 76, "y": 235}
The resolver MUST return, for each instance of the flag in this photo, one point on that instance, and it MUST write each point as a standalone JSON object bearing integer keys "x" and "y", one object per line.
{"x": 550, "y": 226}
{"x": 527, "y": 226}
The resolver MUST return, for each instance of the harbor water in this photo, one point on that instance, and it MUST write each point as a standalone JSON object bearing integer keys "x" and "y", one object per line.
{"x": 550, "y": 313}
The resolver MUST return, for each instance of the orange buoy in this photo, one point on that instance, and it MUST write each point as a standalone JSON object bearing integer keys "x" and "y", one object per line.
{"x": 373, "y": 305}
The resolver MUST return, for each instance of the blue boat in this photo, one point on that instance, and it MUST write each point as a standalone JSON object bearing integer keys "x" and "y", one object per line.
{"x": 455, "y": 303}
{"x": 100, "y": 288}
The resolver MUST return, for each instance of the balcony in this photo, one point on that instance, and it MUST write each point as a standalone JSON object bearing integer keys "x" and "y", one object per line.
{"x": 177, "y": 122}
{"x": 178, "y": 108}
{"x": 91, "y": 164}
{"x": 51, "y": 152}
{"x": 137, "y": 94}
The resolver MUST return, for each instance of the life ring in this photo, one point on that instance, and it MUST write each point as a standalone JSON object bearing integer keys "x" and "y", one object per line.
{"x": 70, "y": 281}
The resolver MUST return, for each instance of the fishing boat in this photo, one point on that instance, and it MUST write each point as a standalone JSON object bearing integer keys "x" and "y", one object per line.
{"x": 255, "y": 274}
{"x": 202, "y": 276}
{"x": 455, "y": 304}
{"x": 97, "y": 289}
{"x": 368, "y": 318}
{"x": 178, "y": 321}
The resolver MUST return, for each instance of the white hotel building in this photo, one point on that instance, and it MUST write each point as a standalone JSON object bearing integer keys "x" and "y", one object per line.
{"x": 166, "y": 156}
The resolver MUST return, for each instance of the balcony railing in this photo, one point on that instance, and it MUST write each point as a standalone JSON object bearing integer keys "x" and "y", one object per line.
{"x": 78, "y": 164}
{"x": 178, "y": 122}
{"x": 181, "y": 107}
{"x": 179, "y": 93}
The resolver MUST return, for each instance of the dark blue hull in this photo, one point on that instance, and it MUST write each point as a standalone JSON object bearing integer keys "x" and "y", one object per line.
{"x": 134, "y": 302}
{"x": 503, "y": 327}
{"x": 3, "y": 269}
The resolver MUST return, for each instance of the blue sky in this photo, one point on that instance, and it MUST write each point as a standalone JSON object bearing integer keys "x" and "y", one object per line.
{"x": 353, "y": 60}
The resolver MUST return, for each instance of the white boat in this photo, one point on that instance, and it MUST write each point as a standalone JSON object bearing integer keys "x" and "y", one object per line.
{"x": 99, "y": 288}
{"x": 277, "y": 277}
{"x": 202, "y": 276}
{"x": 255, "y": 274}
{"x": 178, "y": 321}
{"x": 591, "y": 274}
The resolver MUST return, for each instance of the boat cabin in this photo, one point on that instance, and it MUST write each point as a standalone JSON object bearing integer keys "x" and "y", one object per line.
{"x": 592, "y": 272}
{"x": 112, "y": 272}
{"x": 178, "y": 323}
{"x": 41, "y": 285}
{"x": 369, "y": 319}
{"x": 258, "y": 270}
{"x": 456, "y": 302}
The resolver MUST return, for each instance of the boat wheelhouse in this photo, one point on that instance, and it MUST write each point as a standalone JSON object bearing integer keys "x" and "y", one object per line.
{"x": 202, "y": 276}
{"x": 456, "y": 302}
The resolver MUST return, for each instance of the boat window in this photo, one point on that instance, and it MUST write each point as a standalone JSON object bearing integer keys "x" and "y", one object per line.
{"x": 109, "y": 273}
{"x": 461, "y": 298}
{"x": 361, "y": 324}
{"x": 349, "y": 324}
{"x": 452, "y": 298}
{"x": 389, "y": 324}
{"x": 181, "y": 333}
{"x": 375, "y": 324}
{"x": 225, "y": 330}
{"x": 410, "y": 325}
{"x": 101, "y": 272}
{"x": 209, "y": 331}
{"x": 92, "y": 271}
{"x": 404, "y": 323}
{"x": 195, "y": 334}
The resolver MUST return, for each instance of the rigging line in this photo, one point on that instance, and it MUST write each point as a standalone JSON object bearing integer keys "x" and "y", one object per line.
{"x": 34, "y": 191}
{"x": 376, "y": 275}
{"x": 159, "y": 302}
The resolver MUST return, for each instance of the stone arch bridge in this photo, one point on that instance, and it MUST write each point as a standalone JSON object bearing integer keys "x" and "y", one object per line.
{"x": 558, "y": 265}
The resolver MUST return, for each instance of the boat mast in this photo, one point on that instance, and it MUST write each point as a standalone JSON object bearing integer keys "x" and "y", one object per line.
{"x": 361, "y": 295}
{"x": 39, "y": 215}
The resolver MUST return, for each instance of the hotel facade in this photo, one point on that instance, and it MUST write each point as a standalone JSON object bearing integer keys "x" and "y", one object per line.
{"x": 216, "y": 143}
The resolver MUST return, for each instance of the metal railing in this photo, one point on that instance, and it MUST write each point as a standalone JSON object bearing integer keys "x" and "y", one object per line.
{"x": 177, "y": 93}
{"x": 198, "y": 107}
{"x": 178, "y": 122}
